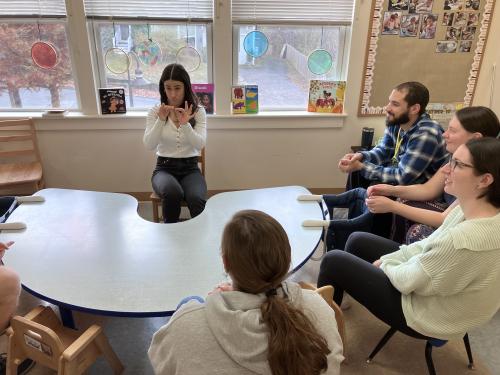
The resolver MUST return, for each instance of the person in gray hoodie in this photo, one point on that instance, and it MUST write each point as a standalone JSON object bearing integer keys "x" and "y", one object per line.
{"x": 258, "y": 323}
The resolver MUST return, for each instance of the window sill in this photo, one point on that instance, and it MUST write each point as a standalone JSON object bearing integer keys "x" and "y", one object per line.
{"x": 136, "y": 119}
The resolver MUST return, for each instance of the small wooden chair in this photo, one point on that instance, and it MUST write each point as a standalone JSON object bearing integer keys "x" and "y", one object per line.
{"x": 21, "y": 166}
{"x": 327, "y": 293}
{"x": 157, "y": 201}
{"x": 41, "y": 337}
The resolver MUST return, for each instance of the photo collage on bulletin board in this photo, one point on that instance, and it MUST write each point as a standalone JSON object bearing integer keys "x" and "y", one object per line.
{"x": 419, "y": 18}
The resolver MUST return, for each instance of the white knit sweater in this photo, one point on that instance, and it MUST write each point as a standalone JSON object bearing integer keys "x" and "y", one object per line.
{"x": 172, "y": 142}
{"x": 450, "y": 280}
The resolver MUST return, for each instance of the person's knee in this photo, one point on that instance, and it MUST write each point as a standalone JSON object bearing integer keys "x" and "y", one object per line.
{"x": 356, "y": 241}
{"x": 10, "y": 284}
{"x": 332, "y": 261}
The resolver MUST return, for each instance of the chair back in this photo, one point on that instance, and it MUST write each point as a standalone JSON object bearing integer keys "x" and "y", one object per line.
{"x": 20, "y": 161}
{"x": 36, "y": 341}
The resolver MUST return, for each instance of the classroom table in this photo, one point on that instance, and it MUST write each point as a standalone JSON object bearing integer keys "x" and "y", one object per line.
{"x": 91, "y": 251}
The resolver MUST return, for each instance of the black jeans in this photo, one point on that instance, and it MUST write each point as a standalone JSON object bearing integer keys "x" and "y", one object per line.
{"x": 177, "y": 179}
{"x": 352, "y": 271}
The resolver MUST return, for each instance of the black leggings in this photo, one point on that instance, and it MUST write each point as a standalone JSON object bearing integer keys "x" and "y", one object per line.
{"x": 352, "y": 271}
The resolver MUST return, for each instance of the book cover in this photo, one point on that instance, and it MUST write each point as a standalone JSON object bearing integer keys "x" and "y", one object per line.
{"x": 205, "y": 94}
{"x": 326, "y": 96}
{"x": 112, "y": 100}
{"x": 252, "y": 98}
{"x": 238, "y": 99}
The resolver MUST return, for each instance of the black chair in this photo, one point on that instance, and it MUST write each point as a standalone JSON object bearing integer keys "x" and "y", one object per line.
{"x": 432, "y": 342}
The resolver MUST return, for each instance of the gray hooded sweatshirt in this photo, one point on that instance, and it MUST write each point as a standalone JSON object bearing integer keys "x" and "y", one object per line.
{"x": 226, "y": 335}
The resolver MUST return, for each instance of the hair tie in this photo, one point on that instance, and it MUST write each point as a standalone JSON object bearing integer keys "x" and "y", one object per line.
{"x": 271, "y": 292}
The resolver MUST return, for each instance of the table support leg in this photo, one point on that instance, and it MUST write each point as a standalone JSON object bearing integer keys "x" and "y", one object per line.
{"x": 67, "y": 317}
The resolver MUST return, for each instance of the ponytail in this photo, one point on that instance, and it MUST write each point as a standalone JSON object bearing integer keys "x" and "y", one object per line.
{"x": 295, "y": 347}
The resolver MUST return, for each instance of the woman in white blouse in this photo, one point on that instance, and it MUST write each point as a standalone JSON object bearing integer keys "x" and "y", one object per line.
{"x": 177, "y": 130}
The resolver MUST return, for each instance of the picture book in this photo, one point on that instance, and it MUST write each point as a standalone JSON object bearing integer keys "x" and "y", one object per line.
{"x": 205, "y": 94}
{"x": 252, "y": 98}
{"x": 326, "y": 96}
{"x": 238, "y": 99}
{"x": 112, "y": 100}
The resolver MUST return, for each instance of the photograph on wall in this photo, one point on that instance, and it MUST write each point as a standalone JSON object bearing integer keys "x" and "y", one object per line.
{"x": 472, "y": 4}
{"x": 473, "y": 19}
{"x": 468, "y": 33}
{"x": 453, "y": 33}
{"x": 454, "y": 5}
{"x": 424, "y": 6}
{"x": 461, "y": 19}
{"x": 446, "y": 46}
{"x": 392, "y": 23}
{"x": 465, "y": 46}
{"x": 397, "y": 5}
{"x": 409, "y": 25}
{"x": 428, "y": 26}
{"x": 447, "y": 19}
{"x": 205, "y": 94}
{"x": 112, "y": 100}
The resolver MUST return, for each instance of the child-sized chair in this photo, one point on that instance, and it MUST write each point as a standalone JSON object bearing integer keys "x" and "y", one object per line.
{"x": 41, "y": 337}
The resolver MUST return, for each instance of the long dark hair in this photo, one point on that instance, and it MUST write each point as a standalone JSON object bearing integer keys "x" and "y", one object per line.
{"x": 176, "y": 72}
{"x": 485, "y": 158}
{"x": 257, "y": 256}
{"x": 479, "y": 119}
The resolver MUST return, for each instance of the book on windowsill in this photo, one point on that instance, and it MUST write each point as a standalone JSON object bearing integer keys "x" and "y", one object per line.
{"x": 252, "y": 98}
{"x": 112, "y": 100}
{"x": 55, "y": 112}
{"x": 238, "y": 99}
{"x": 326, "y": 96}
{"x": 205, "y": 94}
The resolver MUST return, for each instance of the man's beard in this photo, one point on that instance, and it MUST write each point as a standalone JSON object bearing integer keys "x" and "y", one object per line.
{"x": 401, "y": 119}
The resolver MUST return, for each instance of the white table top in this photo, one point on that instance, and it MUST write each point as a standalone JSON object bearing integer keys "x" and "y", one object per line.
{"x": 91, "y": 251}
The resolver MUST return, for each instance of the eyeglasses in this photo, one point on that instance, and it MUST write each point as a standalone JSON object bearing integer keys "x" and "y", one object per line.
{"x": 454, "y": 163}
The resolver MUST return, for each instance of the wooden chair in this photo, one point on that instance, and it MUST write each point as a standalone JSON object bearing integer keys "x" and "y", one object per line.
{"x": 21, "y": 166}
{"x": 327, "y": 293}
{"x": 157, "y": 201}
{"x": 41, "y": 337}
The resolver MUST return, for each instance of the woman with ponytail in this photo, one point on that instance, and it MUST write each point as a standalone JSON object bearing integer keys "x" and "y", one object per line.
{"x": 257, "y": 324}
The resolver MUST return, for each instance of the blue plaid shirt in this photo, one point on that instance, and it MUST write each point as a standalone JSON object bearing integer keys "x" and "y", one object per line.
{"x": 421, "y": 154}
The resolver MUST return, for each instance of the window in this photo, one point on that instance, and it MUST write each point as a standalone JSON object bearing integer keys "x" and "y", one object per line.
{"x": 23, "y": 84}
{"x": 121, "y": 39}
{"x": 294, "y": 29}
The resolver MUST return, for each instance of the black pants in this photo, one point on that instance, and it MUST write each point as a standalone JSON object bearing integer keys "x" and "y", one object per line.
{"x": 352, "y": 271}
{"x": 6, "y": 207}
{"x": 177, "y": 179}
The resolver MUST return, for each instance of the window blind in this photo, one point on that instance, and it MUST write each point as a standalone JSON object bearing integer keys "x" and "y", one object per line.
{"x": 32, "y": 8}
{"x": 293, "y": 11}
{"x": 174, "y": 9}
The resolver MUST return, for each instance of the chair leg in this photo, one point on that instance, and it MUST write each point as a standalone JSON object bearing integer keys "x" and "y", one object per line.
{"x": 156, "y": 216}
{"x": 381, "y": 344}
{"x": 428, "y": 358}
{"x": 469, "y": 352}
{"x": 110, "y": 355}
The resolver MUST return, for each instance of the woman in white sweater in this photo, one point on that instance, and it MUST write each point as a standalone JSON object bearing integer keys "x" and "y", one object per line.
{"x": 257, "y": 324}
{"x": 445, "y": 284}
{"x": 177, "y": 130}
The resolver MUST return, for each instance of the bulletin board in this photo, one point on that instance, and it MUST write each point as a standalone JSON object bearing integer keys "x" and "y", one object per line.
{"x": 439, "y": 43}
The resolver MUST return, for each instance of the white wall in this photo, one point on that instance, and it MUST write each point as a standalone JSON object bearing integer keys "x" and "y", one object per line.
{"x": 107, "y": 154}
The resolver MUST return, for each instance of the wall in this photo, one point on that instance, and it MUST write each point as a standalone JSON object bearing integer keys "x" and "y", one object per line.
{"x": 243, "y": 152}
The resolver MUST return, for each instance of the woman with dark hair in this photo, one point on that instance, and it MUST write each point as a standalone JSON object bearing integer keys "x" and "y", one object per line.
{"x": 257, "y": 324}
{"x": 442, "y": 286}
{"x": 467, "y": 123}
{"x": 177, "y": 130}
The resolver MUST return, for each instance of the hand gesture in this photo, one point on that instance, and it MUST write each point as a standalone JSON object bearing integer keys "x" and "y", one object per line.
{"x": 351, "y": 162}
{"x": 222, "y": 287}
{"x": 184, "y": 114}
{"x": 164, "y": 111}
{"x": 377, "y": 263}
{"x": 5, "y": 246}
{"x": 379, "y": 204}
{"x": 380, "y": 189}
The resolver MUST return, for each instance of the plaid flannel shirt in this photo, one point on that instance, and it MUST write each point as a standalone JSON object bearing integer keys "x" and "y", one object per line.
{"x": 421, "y": 154}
